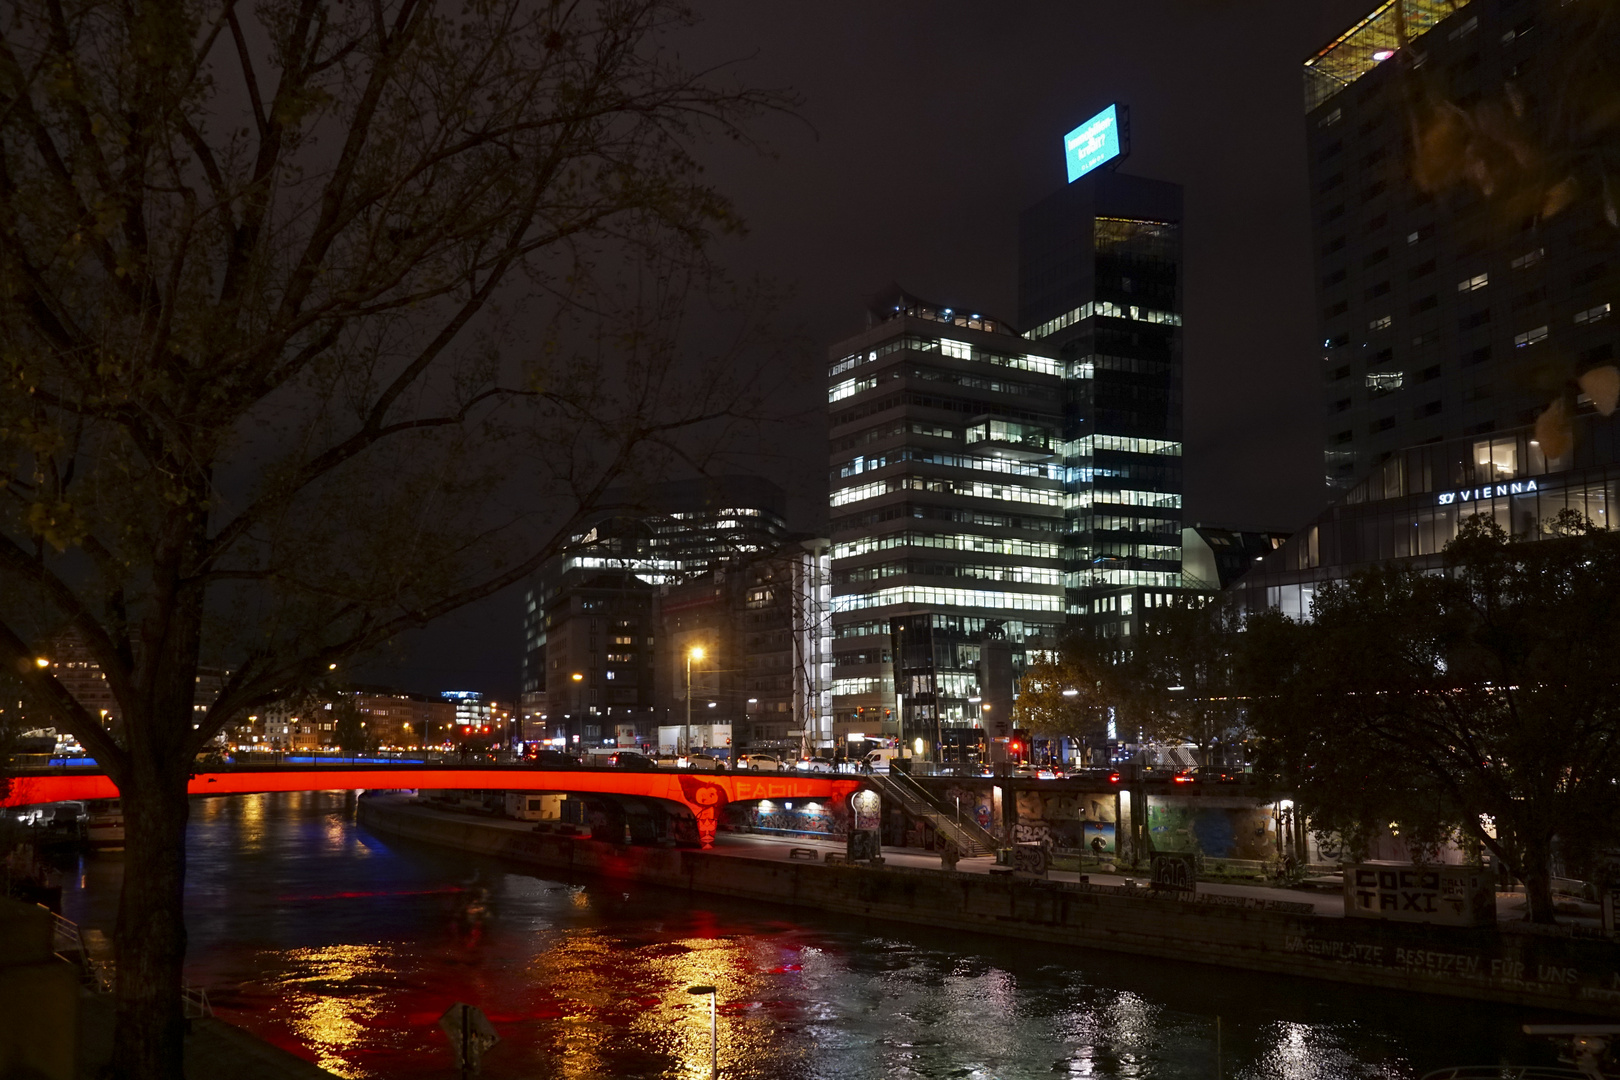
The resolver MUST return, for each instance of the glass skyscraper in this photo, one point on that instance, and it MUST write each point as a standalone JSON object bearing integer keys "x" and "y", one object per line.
{"x": 1100, "y": 286}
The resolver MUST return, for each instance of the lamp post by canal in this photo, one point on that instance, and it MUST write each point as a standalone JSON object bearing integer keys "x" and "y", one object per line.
{"x": 714, "y": 1044}
{"x": 694, "y": 653}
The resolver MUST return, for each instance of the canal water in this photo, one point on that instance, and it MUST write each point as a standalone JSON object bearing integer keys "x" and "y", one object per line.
{"x": 346, "y": 947}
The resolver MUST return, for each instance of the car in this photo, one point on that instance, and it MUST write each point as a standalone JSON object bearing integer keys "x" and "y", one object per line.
{"x": 1049, "y": 772}
{"x": 629, "y": 759}
{"x": 551, "y": 759}
{"x": 814, "y": 764}
{"x": 703, "y": 763}
{"x": 759, "y": 763}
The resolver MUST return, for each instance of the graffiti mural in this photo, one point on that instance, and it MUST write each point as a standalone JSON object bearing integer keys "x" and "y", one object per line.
{"x": 812, "y": 817}
{"x": 975, "y": 804}
{"x": 1065, "y": 821}
{"x": 1225, "y": 831}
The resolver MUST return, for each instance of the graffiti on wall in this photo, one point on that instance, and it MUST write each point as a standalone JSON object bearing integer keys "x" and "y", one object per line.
{"x": 1065, "y": 821}
{"x": 975, "y": 804}
{"x": 1217, "y": 832}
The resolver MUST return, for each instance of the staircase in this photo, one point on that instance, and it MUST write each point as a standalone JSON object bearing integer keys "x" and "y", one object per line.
{"x": 967, "y": 836}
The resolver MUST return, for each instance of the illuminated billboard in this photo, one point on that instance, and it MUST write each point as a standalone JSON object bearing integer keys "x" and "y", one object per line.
{"x": 1092, "y": 143}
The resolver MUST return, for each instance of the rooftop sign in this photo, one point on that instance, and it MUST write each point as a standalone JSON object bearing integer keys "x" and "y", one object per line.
{"x": 1093, "y": 143}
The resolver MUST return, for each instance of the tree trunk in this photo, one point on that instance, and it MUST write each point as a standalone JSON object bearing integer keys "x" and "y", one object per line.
{"x": 1538, "y": 892}
{"x": 150, "y": 941}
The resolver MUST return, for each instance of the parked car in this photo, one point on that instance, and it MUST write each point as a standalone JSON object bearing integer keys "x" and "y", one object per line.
{"x": 759, "y": 763}
{"x": 815, "y": 764}
{"x": 551, "y": 759}
{"x": 104, "y": 826}
{"x": 629, "y": 759}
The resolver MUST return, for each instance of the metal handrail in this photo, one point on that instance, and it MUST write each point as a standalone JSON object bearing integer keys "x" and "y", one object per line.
{"x": 919, "y": 803}
{"x": 978, "y": 835}
{"x": 194, "y": 1001}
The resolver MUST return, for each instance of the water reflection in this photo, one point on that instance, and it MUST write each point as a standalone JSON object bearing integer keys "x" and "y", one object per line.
{"x": 347, "y": 948}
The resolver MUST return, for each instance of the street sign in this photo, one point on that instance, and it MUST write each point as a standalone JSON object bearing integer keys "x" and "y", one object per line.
{"x": 470, "y": 1034}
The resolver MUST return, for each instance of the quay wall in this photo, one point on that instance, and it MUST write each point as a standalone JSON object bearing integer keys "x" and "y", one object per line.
{"x": 1513, "y": 966}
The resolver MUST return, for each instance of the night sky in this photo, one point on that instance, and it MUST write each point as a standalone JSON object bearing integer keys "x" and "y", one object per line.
{"x": 926, "y": 127}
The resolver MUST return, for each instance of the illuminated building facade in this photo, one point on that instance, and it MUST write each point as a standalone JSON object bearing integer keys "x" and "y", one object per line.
{"x": 1410, "y": 507}
{"x": 1444, "y": 316}
{"x": 764, "y": 626}
{"x": 593, "y": 612}
{"x": 947, "y": 510}
{"x": 990, "y": 487}
{"x": 1100, "y": 287}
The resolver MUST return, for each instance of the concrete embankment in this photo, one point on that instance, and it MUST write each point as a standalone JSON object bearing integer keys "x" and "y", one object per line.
{"x": 1544, "y": 971}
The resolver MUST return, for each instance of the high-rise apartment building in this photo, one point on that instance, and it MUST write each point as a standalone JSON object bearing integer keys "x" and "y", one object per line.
{"x": 1461, "y": 310}
{"x": 591, "y": 615}
{"x": 1100, "y": 286}
{"x": 946, "y": 510}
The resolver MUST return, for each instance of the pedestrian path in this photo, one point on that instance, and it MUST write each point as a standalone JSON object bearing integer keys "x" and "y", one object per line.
{"x": 778, "y": 848}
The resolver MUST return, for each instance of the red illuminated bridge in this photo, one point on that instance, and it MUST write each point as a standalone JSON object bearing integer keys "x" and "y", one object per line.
{"x": 702, "y": 794}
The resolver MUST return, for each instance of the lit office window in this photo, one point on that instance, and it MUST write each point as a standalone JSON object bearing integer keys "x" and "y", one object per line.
{"x": 1496, "y": 459}
{"x": 967, "y": 598}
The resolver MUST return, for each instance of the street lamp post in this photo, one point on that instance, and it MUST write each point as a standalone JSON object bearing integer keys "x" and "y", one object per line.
{"x": 714, "y": 1042}
{"x": 694, "y": 653}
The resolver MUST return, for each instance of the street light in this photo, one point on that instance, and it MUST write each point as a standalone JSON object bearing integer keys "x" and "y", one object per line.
{"x": 714, "y": 1043}
{"x": 694, "y": 653}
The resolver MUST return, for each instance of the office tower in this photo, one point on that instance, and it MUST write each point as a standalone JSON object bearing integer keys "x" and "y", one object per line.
{"x": 592, "y": 612}
{"x": 1100, "y": 285}
{"x": 946, "y": 511}
{"x": 1451, "y": 304}
{"x": 763, "y": 626}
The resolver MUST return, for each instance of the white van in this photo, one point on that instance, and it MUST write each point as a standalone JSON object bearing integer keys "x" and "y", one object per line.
{"x": 879, "y": 759}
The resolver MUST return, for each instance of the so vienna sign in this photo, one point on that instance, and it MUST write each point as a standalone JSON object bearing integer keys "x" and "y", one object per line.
{"x": 1488, "y": 491}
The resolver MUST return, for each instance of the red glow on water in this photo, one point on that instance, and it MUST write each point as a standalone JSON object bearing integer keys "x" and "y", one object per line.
{"x": 369, "y": 895}
{"x": 784, "y": 969}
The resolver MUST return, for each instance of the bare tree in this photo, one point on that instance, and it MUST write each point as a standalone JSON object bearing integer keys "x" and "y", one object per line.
{"x": 318, "y": 321}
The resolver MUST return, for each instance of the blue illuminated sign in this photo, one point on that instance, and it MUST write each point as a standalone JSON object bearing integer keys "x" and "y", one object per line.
{"x": 1092, "y": 143}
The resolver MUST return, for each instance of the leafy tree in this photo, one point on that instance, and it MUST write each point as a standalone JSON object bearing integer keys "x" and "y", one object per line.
{"x": 1179, "y": 684}
{"x": 348, "y": 729}
{"x": 319, "y": 321}
{"x": 1068, "y": 692}
{"x": 1481, "y": 699}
